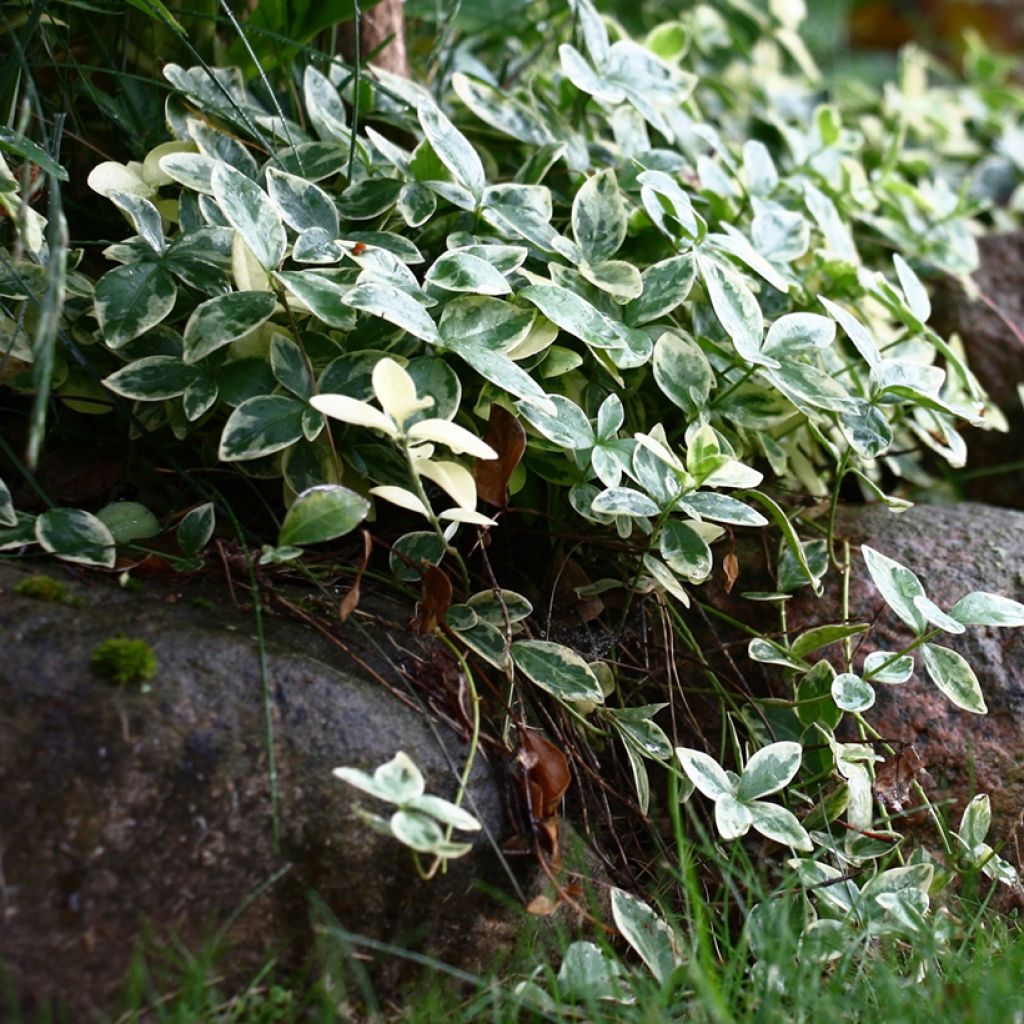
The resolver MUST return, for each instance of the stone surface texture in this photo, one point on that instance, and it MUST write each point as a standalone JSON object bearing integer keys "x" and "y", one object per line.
{"x": 119, "y": 807}
{"x": 992, "y": 330}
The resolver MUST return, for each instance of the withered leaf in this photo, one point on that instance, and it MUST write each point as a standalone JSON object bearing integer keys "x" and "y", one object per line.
{"x": 506, "y": 436}
{"x": 894, "y": 778}
{"x": 547, "y": 773}
{"x": 731, "y": 567}
{"x": 348, "y": 604}
{"x": 435, "y": 599}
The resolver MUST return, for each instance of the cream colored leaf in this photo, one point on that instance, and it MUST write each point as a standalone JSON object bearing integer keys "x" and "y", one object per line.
{"x": 110, "y": 177}
{"x": 451, "y": 477}
{"x": 467, "y": 515}
{"x": 152, "y": 173}
{"x": 351, "y": 410}
{"x": 401, "y": 497}
{"x": 245, "y": 268}
{"x": 396, "y": 391}
{"x": 451, "y": 434}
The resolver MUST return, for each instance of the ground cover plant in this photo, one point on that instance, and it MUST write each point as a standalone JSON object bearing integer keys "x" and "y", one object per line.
{"x": 629, "y": 295}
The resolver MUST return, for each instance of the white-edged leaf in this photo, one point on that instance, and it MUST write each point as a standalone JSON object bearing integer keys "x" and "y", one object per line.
{"x": 196, "y": 528}
{"x": 737, "y": 310}
{"x": 705, "y": 773}
{"x": 444, "y": 811}
{"x": 981, "y": 608}
{"x": 624, "y": 501}
{"x": 599, "y": 217}
{"x": 453, "y": 149}
{"x": 647, "y": 933}
{"x": 152, "y": 378}
{"x": 732, "y": 818}
{"x": 557, "y": 669}
{"x": 769, "y": 770}
{"x": 395, "y": 306}
{"x": 132, "y": 299}
{"x": 779, "y": 824}
{"x": 897, "y": 585}
{"x": 224, "y": 319}
{"x": 260, "y": 426}
{"x": 954, "y": 677}
{"x": 851, "y": 693}
{"x": 301, "y": 203}
{"x": 8, "y": 517}
{"x": 888, "y": 667}
{"x": 76, "y": 536}
{"x": 251, "y": 213}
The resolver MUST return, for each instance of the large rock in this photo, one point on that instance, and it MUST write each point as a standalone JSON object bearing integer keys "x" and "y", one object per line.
{"x": 953, "y": 550}
{"x": 119, "y": 807}
{"x": 992, "y": 330}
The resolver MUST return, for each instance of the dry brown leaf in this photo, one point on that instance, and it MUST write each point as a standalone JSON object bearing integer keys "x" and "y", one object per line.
{"x": 506, "y": 436}
{"x": 731, "y": 567}
{"x": 348, "y": 604}
{"x": 894, "y": 778}
{"x": 435, "y": 599}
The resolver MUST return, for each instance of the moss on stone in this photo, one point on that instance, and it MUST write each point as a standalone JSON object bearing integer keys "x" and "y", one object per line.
{"x": 43, "y": 588}
{"x": 122, "y": 660}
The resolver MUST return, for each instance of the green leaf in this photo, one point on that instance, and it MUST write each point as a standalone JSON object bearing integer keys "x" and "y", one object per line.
{"x": 954, "y": 677}
{"x": 822, "y": 636}
{"x": 397, "y": 781}
{"x": 76, "y": 536}
{"x": 251, "y": 213}
{"x": 557, "y": 669}
{"x": 587, "y": 975}
{"x": 577, "y": 316}
{"x": 19, "y": 535}
{"x": 621, "y": 280}
{"x": 980, "y": 608}
{"x": 128, "y": 521}
{"x": 130, "y": 300}
{"x": 196, "y": 528}
{"x": 25, "y": 149}
{"x": 897, "y": 585}
{"x": 224, "y": 319}
{"x": 395, "y": 306}
{"x": 737, "y": 310}
{"x": 851, "y": 693}
{"x": 410, "y": 550}
{"x": 647, "y": 933}
{"x": 261, "y": 426}
{"x": 444, "y": 811}
{"x": 152, "y": 379}
{"x": 599, "y": 217}
{"x": 322, "y": 513}
{"x": 453, "y": 149}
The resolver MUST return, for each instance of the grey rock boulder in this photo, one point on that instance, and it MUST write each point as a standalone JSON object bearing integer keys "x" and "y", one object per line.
{"x": 120, "y": 807}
